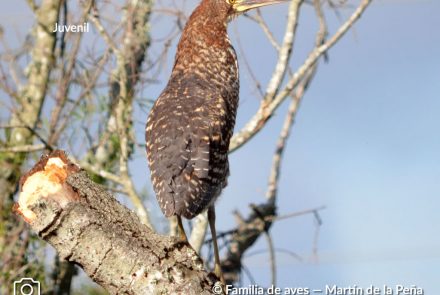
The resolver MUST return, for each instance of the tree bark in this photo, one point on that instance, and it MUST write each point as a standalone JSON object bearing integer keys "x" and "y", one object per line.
{"x": 88, "y": 226}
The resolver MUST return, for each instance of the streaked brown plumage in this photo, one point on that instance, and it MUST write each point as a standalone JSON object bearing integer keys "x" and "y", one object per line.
{"x": 190, "y": 125}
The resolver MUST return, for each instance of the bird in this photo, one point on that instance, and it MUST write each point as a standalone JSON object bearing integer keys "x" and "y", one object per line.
{"x": 190, "y": 125}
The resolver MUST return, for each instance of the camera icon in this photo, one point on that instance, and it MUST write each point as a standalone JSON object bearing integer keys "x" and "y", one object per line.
{"x": 27, "y": 286}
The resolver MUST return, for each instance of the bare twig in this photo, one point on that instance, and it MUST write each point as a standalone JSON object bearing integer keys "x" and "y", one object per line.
{"x": 285, "y": 52}
{"x": 272, "y": 258}
{"x": 129, "y": 59}
{"x": 94, "y": 17}
{"x": 23, "y": 148}
{"x": 87, "y": 89}
{"x": 267, "y": 108}
{"x": 64, "y": 81}
{"x": 318, "y": 223}
{"x": 269, "y": 218}
{"x": 296, "y": 214}
{"x": 101, "y": 172}
{"x": 262, "y": 23}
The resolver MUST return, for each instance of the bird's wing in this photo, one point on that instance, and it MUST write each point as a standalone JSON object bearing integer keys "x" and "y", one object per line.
{"x": 188, "y": 157}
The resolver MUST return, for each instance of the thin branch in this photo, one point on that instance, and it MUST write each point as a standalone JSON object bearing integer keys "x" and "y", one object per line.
{"x": 94, "y": 17}
{"x": 296, "y": 214}
{"x": 126, "y": 76}
{"x": 277, "y": 250}
{"x": 272, "y": 257}
{"x": 269, "y": 218}
{"x": 87, "y": 89}
{"x": 285, "y": 52}
{"x": 10, "y": 126}
{"x": 318, "y": 223}
{"x": 129, "y": 59}
{"x": 249, "y": 68}
{"x": 262, "y": 23}
{"x": 23, "y": 148}
{"x": 101, "y": 172}
{"x": 267, "y": 108}
{"x": 277, "y": 158}
{"x": 64, "y": 82}
{"x": 32, "y": 5}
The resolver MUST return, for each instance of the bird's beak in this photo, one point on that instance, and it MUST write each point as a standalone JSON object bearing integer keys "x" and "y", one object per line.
{"x": 244, "y": 5}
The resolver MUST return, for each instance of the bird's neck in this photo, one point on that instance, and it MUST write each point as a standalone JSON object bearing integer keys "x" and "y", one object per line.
{"x": 203, "y": 38}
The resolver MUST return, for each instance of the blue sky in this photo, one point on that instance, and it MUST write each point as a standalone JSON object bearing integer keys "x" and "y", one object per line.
{"x": 365, "y": 143}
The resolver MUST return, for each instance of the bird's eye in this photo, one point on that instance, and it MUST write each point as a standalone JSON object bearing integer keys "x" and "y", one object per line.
{"x": 231, "y": 1}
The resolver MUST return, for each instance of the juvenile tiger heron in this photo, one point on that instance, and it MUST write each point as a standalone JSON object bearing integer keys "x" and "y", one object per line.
{"x": 191, "y": 123}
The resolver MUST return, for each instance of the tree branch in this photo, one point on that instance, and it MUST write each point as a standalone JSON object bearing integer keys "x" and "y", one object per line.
{"x": 260, "y": 221}
{"x": 269, "y": 106}
{"x": 129, "y": 59}
{"x": 29, "y": 105}
{"x": 23, "y": 148}
{"x": 286, "y": 50}
{"x": 88, "y": 226}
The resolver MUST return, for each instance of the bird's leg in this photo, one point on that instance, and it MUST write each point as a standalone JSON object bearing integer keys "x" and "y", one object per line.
{"x": 217, "y": 268}
{"x": 182, "y": 234}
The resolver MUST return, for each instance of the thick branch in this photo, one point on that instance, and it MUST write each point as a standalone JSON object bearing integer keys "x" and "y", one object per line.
{"x": 88, "y": 226}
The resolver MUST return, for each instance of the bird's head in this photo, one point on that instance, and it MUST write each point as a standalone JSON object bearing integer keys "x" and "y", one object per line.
{"x": 240, "y": 6}
{"x": 212, "y": 16}
{"x": 228, "y": 9}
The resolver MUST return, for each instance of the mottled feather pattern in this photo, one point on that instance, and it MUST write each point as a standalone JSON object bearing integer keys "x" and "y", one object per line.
{"x": 190, "y": 125}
